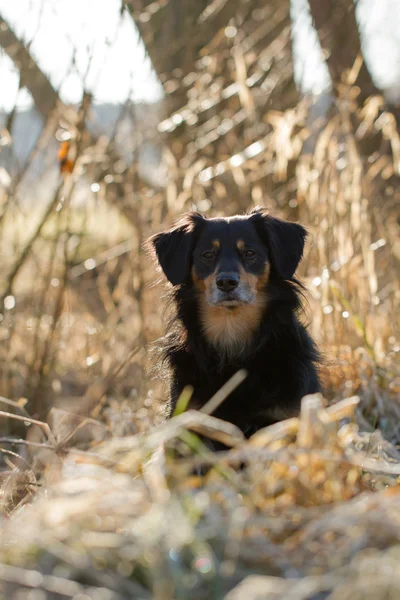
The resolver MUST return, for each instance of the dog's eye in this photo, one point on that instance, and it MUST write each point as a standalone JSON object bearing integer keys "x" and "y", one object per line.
{"x": 208, "y": 255}
{"x": 249, "y": 253}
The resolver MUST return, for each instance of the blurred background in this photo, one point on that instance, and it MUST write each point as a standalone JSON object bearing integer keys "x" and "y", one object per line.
{"x": 117, "y": 116}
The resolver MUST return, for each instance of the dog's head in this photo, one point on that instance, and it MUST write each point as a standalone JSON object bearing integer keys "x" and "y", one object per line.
{"x": 229, "y": 262}
{"x": 230, "y": 259}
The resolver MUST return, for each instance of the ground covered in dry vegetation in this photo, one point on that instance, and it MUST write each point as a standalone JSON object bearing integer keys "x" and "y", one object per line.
{"x": 313, "y": 513}
{"x": 99, "y": 497}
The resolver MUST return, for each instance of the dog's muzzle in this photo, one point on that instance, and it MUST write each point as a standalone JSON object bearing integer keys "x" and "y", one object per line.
{"x": 229, "y": 291}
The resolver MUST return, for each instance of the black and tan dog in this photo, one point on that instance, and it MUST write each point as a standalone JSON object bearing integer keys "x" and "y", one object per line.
{"x": 236, "y": 303}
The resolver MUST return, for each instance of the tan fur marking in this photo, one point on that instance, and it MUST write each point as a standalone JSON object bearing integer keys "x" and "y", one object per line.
{"x": 232, "y": 329}
{"x": 203, "y": 285}
{"x": 240, "y": 244}
{"x": 199, "y": 283}
{"x": 248, "y": 279}
{"x": 262, "y": 280}
{"x": 255, "y": 282}
{"x": 216, "y": 244}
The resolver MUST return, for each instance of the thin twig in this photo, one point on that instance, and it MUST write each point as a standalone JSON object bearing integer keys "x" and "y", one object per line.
{"x": 44, "y": 426}
{"x": 224, "y": 392}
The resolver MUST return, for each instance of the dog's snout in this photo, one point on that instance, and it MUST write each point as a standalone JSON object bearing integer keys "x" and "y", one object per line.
{"x": 227, "y": 282}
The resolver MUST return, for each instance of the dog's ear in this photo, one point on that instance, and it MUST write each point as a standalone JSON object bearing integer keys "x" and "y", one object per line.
{"x": 174, "y": 248}
{"x": 285, "y": 241}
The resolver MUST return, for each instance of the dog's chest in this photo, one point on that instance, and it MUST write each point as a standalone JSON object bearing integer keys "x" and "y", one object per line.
{"x": 261, "y": 382}
{"x": 255, "y": 403}
{"x": 230, "y": 331}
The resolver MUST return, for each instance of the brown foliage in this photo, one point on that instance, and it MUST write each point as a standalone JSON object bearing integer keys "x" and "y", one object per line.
{"x": 118, "y": 508}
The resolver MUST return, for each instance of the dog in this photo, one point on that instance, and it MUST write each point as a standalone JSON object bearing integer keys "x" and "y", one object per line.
{"x": 236, "y": 306}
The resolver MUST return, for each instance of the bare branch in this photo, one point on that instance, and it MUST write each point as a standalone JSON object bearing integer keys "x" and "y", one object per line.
{"x": 32, "y": 77}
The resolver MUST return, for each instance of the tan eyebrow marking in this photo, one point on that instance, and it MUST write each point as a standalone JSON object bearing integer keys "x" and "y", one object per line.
{"x": 240, "y": 244}
{"x": 216, "y": 244}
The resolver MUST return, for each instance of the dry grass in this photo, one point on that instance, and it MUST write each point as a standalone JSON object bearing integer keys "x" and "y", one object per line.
{"x": 97, "y": 502}
{"x": 99, "y": 497}
{"x": 314, "y": 510}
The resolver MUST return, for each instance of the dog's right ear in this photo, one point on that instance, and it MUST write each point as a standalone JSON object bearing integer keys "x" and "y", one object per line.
{"x": 174, "y": 248}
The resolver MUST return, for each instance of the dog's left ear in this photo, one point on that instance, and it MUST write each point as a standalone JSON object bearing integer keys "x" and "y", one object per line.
{"x": 285, "y": 241}
{"x": 174, "y": 248}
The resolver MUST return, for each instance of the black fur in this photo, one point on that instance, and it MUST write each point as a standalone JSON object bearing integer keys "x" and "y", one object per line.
{"x": 281, "y": 360}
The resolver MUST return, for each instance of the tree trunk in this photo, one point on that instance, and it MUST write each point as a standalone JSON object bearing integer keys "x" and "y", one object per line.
{"x": 44, "y": 95}
{"x": 336, "y": 25}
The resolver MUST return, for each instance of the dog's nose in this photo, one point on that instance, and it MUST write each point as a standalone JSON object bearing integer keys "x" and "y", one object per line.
{"x": 227, "y": 281}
